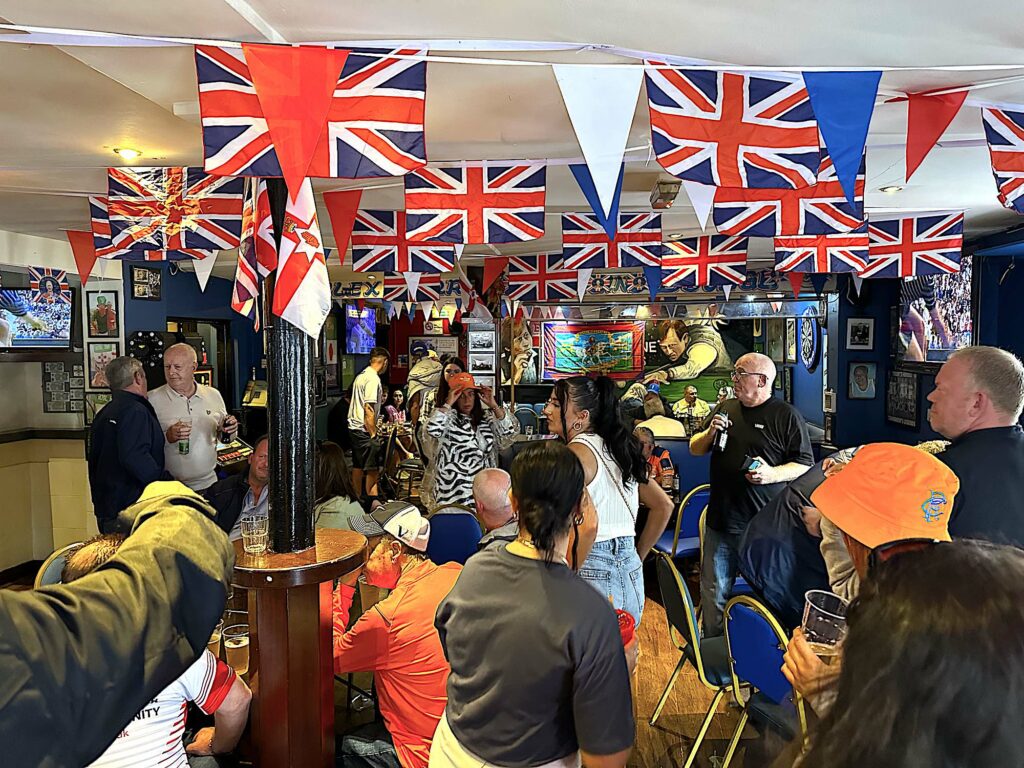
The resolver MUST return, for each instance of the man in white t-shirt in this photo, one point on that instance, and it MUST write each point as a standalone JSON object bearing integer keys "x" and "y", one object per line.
{"x": 153, "y": 736}
{"x": 191, "y": 415}
{"x": 363, "y": 412}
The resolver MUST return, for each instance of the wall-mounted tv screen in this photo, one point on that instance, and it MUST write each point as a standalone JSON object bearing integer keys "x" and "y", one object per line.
{"x": 935, "y": 316}
{"x": 33, "y": 319}
{"x": 360, "y": 330}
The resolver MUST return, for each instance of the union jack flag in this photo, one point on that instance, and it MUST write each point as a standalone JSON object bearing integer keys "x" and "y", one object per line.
{"x": 374, "y": 127}
{"x": 397, "y": 289}
{"x": 1004, "y": 131}
{"x": 819, "y": 210}
{"x": 729, "y": 129}
{"x": 379, "y": 244}
{"x": 105, "y": 248}
{"x": 172, "y": 209}
{"x": 49, "y": 285}
{"x": 496, "y": 204}
{"x": 245, "y": 295}
{"x": 540, "y": 278}
{"x": 817, "y": 254}
{"x": 708, "y": 260}
{"x": 585, "y": 244}
{"x": 922, "y": 245}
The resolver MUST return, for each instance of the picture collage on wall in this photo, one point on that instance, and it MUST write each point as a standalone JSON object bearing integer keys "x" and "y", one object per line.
{"x": 63, "y": 386}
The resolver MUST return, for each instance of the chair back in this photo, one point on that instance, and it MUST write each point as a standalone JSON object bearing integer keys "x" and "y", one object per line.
{"x": 756, "y": 643}
{"x": 448, "y": 509}
{"x": 49, "y": 572}
{"x": 679, "y": 610}
{"x": 454, "y": 536}
{"x": 527, "y": 417}
{"x": 688, "y": 514}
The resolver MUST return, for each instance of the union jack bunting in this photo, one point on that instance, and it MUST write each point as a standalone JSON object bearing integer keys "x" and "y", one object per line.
{"x": 1004, "y": 131}
{"x": 495, "y": 204}
{"x": 818, "y": 254}
{"x": 49, "y": 286}
{"x": 922, "y": 245}
{"x": 105, "y": 249}
{"x": 729, "y": 129}
{"x": 396, "y": 288}
{"x": 172, "y": 209}
{"x": 539, "y": 278}
{"x": 246, "y": 291}
{"x": 708, "y": 260}
{"x": 819, "y": 210}
{"x": 374, "y": 127}
{"x": 585, "y": 244}
{"x": 379, "y": 244}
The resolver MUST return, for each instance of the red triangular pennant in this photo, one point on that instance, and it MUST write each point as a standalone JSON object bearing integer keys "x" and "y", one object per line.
{"x": 85, "y": 252}
{"x": 361, "y": 304}
{"x": 493, "y": 267}
{"x": 295, "y": 86}
{"x": 927, "y": 119}
{"x": 342, "y": 207}
{"x": 796, "y": 282}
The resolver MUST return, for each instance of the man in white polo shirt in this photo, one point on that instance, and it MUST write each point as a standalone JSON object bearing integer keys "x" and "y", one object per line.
{"x": 190, "y": 414}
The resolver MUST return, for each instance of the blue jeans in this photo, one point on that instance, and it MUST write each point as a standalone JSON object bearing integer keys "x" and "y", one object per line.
{"x": 614, "y": 569}
{"x": 212, "y": 761}
{"x": 717, "y": 573}
{"x": 368, "y": 746}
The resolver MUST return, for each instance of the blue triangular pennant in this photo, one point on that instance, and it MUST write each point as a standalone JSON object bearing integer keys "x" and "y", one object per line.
{"x": 842, "y": 104}
{"x": 653, "y": 276}
{"x": 583, "y": 178}
{"x": 818, "y": 280}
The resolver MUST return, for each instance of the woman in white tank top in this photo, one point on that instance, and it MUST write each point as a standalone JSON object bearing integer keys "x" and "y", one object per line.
{"x": 585, "y": 413}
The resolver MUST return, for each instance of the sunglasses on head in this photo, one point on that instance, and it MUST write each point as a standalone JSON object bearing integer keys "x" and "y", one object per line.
{"x": 893, "y": 549}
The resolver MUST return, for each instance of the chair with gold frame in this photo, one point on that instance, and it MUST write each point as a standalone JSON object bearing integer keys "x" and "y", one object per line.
{"x": 49, "y": 572}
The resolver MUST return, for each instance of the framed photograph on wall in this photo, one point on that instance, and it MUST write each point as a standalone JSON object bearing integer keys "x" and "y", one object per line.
{"x": 146, "y": 283}
{"x": 861, "y": 380}
{"x": 901, "y": 399}
{"x": 787, "y": 384}
{"x": 791, "y": 340}
{"x": 104, "y": 317}
{"x": 481, "y": 363}
{"x": 99, "y": 354}
{"x": 94, "y": 401}
{"x": 481, "y": 341}
{"x": 775, "y": 338}
{"x": 442, "y": 345}
{"x": 860, "y": 333}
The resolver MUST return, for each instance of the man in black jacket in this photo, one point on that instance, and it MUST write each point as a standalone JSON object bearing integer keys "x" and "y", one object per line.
{"x": 127, "y": 450}
{"x": 244, "y": 493}
{"x": 79, "y": 661}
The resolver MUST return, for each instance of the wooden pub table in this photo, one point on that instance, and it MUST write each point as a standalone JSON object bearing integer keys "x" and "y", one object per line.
{"x": 291, "y": 664}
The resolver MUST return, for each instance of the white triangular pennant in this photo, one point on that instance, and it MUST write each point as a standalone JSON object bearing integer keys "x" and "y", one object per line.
{"x": 702, "y": 198}
{"x": 776, "y": 306}
{"x": 726, "y": 289}
{"x": 582, "y": 281}
{"x": 600, "y": 102}
{"x": 459, "y": 248}
{"x": 857, "y": 281}
{"x": 203, "y": 268}
{"x": 428, "y": 309}
{"x": 412, "y": 282}
{"x": 410, "y": 309}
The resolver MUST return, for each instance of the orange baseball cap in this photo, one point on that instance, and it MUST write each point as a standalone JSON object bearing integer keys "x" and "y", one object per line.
{"x": 889, "y": 492}
{"x": 461, "y": 381}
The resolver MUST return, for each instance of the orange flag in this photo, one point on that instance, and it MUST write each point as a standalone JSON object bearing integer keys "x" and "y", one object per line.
{"x": 85, "y": 252}
{"x": 927, "y": 119}
{"x": 341, "y": 208}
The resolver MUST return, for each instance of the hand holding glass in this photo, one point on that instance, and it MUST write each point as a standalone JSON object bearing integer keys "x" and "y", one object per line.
{"x": 824, "y": 623}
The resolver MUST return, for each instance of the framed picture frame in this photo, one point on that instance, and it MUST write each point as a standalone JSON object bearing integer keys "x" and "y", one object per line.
{"x": 860, "y": 333}
{"x": 901, "y": 398}
{"x": 104, "y": 314}
{"x": 146, "y": 283}
{"x": 94, "y": 401}
{"x": 481, "y": 341}
{"x": 775, "y": 339}
{"x": 861, "y": 380}
{"x": 779, "y": 378}
{"x": 484, "y": 381}
{"x": 787, "y": 384}
{"x": 481, "y": 363}
{"x": 99, "y": 353}
{"x": 442, "y": 345}
{"x": 791, "y": 340}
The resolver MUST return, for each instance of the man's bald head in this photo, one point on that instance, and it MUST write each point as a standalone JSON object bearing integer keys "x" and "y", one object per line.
{"x": 753, "y": 378}
{"x": 490, "y": 492}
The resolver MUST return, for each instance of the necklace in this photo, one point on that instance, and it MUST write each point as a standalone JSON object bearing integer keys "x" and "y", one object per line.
{"x": 536, "y": 553}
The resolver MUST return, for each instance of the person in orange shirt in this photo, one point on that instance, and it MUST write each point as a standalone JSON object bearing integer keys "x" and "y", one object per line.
{"x": 396, "y": 640}
{"x": 662, "y": 470}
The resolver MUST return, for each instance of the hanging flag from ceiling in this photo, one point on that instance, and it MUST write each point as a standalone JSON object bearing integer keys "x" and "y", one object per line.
{"x": 699, "y": 261}
{"x": 84, "y": 251}
{"x": 819, "y": 210}
{"x": 266, "y": 247}
{"x": 815, "y": 254}
{"x": 302, "y": 293}
{"x": 729, "y": 129}
{"x": 374, "y": 125}
{"x": 105, "y": 249}
{"x": 702, "y": 199}
{"x": 173, "y": 209}
{"x": 601, "y": 102}
{"x": 379, "y": 244}
{"x": 927, "y": 119}
{"x": 49, "y": 286}
{"x": 843, "y": 103}
{"x": 204, "y": 268}
{"x": 493, "y": 204}
{"x": 397, "y": 289}
{"x": 921, "y": 245}
{"x": 582, "y": 175}
{"x": 540, "y": 278}
{"x": 245, "y": 292}
{"x": 1004, "y": 131}
{"x": 637, "y": 241}
{"x": 341, "y": 210}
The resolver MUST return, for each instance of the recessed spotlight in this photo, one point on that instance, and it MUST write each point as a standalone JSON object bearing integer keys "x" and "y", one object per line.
{"x": 891, "y": 190}
{"x": 127, "y": 154}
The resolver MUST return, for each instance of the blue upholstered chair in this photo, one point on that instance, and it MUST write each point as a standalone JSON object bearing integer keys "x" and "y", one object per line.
{"x": 684, "y": 539}
{"x": 454, "y": 534}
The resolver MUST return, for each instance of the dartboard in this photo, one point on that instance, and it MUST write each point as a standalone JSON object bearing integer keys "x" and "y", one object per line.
{"x": 810, "y": 340}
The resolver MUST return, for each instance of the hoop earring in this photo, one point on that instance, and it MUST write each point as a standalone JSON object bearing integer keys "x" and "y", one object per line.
{"x": 577, "y": 519}
{"x": 577, "y": 426}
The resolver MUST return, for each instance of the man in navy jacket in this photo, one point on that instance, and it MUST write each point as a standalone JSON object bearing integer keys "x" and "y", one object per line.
{"x": 127, "y": 450}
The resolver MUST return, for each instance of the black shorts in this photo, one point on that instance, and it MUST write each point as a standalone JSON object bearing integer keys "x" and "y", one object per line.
{"x": 365, "y": 450}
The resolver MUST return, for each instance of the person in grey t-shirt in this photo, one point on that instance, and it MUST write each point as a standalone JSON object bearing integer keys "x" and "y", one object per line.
{"x": 538, "y": 672}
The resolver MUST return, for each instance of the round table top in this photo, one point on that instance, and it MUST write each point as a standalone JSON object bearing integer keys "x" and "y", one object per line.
{"x": 335, "y": 553}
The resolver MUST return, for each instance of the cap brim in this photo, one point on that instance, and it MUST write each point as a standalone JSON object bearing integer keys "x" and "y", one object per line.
{"x": 366, "y": 525}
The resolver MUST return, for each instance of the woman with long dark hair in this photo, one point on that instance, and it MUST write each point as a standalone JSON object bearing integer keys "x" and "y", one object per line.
{"x": 933, "y": 664}
{"x": 538, "y": 673}
{"x": 585, "y": 413}
{"x": 450, "y": 366}
{"x": 468, "y": 438}
{"x": 395, "y": 410}
{"x": 336, "y": 497}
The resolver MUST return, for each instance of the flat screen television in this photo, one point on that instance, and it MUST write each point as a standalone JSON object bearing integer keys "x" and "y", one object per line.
{"x": 935, "y": 316}
{"x": 360, "y": 330}
{"x": 31, "y": 319}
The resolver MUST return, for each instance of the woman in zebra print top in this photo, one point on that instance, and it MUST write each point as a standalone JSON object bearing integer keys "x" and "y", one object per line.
{"x": 468, "y": 438}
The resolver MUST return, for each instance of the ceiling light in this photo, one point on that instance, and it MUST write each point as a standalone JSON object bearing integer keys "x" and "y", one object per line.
{"x": 664, "y": 194}
{"x": 127, "y": 154}
{"x": 891, "y": 190}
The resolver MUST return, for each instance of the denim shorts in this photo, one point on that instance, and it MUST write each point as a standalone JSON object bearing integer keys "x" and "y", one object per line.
{"x": 614, "y": 569}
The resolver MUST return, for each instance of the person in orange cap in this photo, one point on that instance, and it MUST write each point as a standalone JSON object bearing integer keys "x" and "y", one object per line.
{"x": 888, "y": 498}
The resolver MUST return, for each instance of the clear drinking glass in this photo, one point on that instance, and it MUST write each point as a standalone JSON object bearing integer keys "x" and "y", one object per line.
{"x": 183, "y": 444}
{"x": 213, "y": 646}
{"x": 236, "y": 647}
{"x": 255, "y": 533}
{"x": 824, "y": 623}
